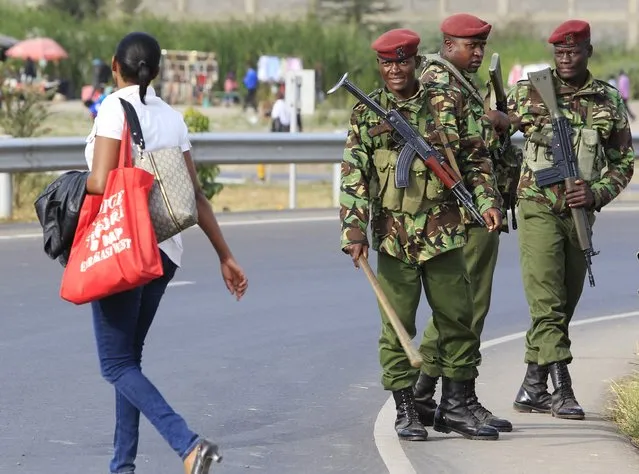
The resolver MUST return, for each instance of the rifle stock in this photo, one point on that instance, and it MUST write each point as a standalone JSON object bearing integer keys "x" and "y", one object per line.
{"x": 543, "y": 84}
{"x": 501, "y": 103}
{"x": 494, "y": 71}
{"x": 564, "y": 161}
{"x": 414, "y": 145}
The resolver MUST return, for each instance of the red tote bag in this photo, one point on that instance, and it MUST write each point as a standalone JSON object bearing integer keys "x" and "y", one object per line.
{"x": 114, "y": 248}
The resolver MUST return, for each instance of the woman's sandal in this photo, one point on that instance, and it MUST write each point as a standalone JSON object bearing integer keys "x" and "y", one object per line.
{"x": 200, "y": 459}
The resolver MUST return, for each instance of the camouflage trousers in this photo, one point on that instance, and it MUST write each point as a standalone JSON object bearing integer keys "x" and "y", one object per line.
{"x": 553, "y": 271}
{"x": 447, "y": 287}
{"x": 480, "y": 254}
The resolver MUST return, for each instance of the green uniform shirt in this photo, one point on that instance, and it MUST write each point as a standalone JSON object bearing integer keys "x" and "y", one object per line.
{"x": 609, "y": 118}
{"x": 419, "y": 237}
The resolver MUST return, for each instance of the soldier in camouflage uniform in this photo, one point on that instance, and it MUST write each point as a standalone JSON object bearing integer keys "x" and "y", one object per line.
{"x": 418, "y": 232}
{"x": 553, "y": 266}
{"x": 461, "y": 55}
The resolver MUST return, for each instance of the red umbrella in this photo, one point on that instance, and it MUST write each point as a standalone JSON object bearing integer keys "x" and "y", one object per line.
{"x": 37, "y": 49}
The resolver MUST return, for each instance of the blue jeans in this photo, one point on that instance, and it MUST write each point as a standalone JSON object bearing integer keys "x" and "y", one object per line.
{"x": 121, "y": 323}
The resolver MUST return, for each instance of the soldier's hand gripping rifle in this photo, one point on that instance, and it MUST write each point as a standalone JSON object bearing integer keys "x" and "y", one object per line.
{"x": 414, "y": 145}
{"x": 564, "y": 166}
{"x": 501, "y": 104}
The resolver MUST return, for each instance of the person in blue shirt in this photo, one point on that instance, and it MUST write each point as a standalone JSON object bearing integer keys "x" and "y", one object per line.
{"x": 250, "y": 82}
{"x": 94, "y": 103}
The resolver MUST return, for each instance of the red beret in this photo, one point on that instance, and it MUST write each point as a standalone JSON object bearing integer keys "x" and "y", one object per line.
{"x": 570, "y": 33}
{"x": 396, "y": 45}
{"x": 463, "y": 25}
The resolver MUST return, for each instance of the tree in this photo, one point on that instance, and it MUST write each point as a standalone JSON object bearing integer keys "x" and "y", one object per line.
{"x": 79, "y": 9}
{"x": 354, "y": 11}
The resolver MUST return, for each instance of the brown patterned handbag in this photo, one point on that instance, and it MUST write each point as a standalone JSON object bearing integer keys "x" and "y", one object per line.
{"x": 172, "y": 199}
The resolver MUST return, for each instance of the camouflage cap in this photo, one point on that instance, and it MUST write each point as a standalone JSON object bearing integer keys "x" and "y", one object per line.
{"x": 464, "y": 25}
{"x": 397, "y": 44}
{"x": 570, "y": 33}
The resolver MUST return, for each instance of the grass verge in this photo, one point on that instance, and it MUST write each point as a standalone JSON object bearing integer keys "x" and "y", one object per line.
{"x": 233, "y": 197}
{"x": 261, "y": 197}
{"x": 624, "y": 410}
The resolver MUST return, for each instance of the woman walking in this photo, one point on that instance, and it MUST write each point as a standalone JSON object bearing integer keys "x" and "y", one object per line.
{"x": 122, "y": 321}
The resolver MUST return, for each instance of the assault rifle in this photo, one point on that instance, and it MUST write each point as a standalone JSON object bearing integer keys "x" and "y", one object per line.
{"x": 564, "y": 166}
{"x": 501, "y": 104}
{"x": 414, "y": 145}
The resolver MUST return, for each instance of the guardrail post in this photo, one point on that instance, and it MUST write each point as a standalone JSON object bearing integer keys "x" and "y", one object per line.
{"x": 337, "y": 176}
{"x": 292, "y": 186}
{"x": 6, "y": 196}
{"x": 295, "y": 112}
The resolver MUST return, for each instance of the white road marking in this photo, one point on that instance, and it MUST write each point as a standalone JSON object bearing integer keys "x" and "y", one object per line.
{"x": 181, "y": 283}
{"x": 61, "y": 441}
{"x": 280, "y": 220}
{"x": 20, "y": 236}
{"x": 386, "y": 439}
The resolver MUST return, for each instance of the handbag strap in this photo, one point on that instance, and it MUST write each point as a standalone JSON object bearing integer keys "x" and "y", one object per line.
{"x": 134, "y": 124}
{"x": 125, "y": 160}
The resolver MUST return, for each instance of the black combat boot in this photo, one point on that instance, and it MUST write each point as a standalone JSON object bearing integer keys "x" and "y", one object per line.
{"x": 425, "y": 398}
{"x": 564, "y": 403}
{"x": 533, "y": 394}
{"x": 407, "y": 423}
{"x": 484, "y": 415}
{"x": 454, "y": 414}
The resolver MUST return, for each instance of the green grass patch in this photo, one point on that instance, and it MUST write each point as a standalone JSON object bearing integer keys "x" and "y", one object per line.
{"x": 624, "y": 410}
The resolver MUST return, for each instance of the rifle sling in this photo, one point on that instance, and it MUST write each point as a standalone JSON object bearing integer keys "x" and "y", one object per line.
{"x": 487, "y": 99}
{"x": 444, "y": 140}
{"x": 589, "y": 113}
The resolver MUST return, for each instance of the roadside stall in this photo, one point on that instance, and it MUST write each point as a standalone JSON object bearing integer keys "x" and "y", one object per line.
{"x": 188, "y": 77}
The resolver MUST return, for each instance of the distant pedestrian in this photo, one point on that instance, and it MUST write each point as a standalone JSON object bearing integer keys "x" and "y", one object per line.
{"x": 624, "y": 89}
{"x": 230, "y": 89}
{"x": 280, "y": 115}
{"x": 251, "y": 83}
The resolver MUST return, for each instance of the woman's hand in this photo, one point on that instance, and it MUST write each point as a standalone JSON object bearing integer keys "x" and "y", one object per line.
{"x": 234, "y": 277}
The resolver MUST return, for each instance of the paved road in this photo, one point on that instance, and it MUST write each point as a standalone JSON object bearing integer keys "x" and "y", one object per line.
{"x": 287, "y": 380}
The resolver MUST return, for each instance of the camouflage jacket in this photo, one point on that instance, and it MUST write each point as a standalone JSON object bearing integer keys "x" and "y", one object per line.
{"x": 505, "y": 165}
{"x": 609, "y": 118}
{"x": 412, "y": 238}
{"x": 435, "y": 74}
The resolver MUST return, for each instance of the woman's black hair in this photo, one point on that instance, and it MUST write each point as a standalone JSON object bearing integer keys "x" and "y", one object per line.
{"x": 138, "y": 55}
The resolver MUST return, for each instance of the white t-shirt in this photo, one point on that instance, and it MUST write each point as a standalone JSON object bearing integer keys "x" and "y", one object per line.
{"x": 162, "y": 127}
{"x": 281, "y": 111}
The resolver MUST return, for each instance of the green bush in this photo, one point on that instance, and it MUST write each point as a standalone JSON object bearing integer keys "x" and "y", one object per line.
{"x": 197, "y": 122}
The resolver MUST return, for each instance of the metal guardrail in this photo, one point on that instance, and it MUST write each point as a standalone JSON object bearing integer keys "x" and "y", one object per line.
{"x": 67, "y": 153}
{"x": 63, "y": 153}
